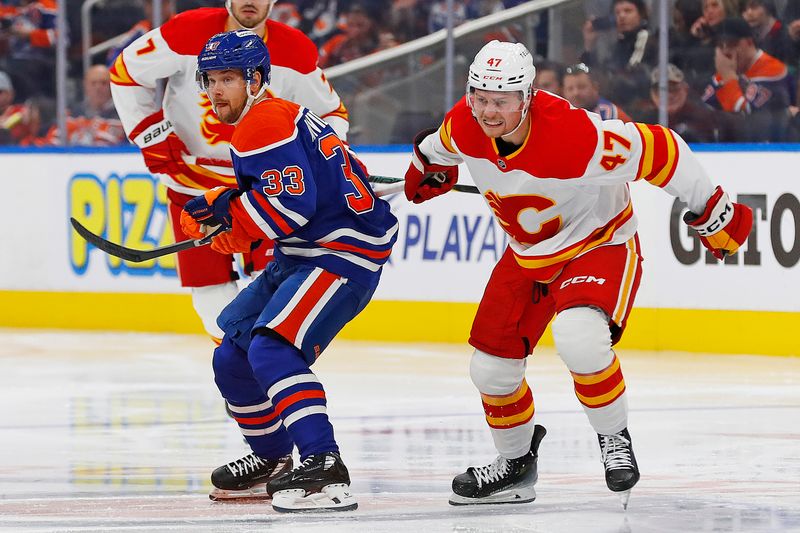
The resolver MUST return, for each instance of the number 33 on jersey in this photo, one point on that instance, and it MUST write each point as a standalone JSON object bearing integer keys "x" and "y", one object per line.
{"x": 294, "y": 168}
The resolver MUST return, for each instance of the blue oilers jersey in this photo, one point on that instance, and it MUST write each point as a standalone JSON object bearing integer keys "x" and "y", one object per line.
{"x": 304, "y": 190}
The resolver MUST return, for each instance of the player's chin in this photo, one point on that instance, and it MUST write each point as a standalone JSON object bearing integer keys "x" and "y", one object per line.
{"x": 493, "y": 131}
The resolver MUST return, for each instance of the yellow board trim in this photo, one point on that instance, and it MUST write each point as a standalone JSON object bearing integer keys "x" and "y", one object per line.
{"x": 689, "y": 330}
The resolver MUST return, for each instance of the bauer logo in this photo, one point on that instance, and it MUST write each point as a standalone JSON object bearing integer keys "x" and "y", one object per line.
{"x": 129, "y": 209}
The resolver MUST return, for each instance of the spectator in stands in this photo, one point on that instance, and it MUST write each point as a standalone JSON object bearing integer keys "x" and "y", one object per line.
{"x": 358, "y": 38}
{"x": 549, "y": 77}
{"x": 437, "y": 18}
{"x": 97, "y": 100}
{"x": 18, "y": 122}
{"x": 140, "y": 28}
{"x": 770, "y": 35}
{"x": 633, "y": 55}
{"x": 583, "y": 91}
{"x": 791, "y": 19}
{"x": 686, "y": 51}
{"x": 749, "y": 82}
{"x": 687, "y": 115}
{"x": 32, "y": 48}
{"x": 714, "y": 12}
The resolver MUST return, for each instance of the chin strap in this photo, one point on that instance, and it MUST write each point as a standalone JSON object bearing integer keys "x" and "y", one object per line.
{"x": 521, "y": 121}
{"x": 250, "y": 99}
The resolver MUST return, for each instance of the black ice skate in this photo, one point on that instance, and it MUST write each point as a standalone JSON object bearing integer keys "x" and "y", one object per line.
{"x": 502, "y": 481}
{"x": 622, "y": 472}
{"x": 246, "y": 479}
{"x": 320, "y": 483}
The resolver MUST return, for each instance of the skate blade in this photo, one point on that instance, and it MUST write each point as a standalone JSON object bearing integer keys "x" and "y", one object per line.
{"x": 255, "y": 493}
{"x": 624, "y": 496}
{"x": 512, "y": 495}
{"x": 331, "y": 498}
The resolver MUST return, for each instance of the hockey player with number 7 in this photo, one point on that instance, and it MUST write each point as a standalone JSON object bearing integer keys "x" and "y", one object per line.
{"x": 557, "y": 180}
{"x": 301, "y": 187}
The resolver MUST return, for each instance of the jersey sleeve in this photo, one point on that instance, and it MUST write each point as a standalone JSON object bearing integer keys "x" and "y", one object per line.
{"x": 439, "y": 147}
{"x": 282, "y": 197}
{"x": 135, "y": 73}
{"x": 634, "y": 151}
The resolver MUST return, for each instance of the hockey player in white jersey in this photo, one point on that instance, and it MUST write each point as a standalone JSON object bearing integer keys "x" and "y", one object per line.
{"x": 556, "y": 179}
{"x": 185, "y": 143}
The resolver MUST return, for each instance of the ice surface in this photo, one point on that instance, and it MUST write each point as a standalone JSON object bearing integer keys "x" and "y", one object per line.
{"x": 119, "y": 432}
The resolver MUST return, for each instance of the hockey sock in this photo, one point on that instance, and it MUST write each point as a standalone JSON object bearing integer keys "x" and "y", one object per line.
{"x": 510, "y": 417}
{"x": 295, "y": 392}
{"x": 258, "y": 422}
{"x": 602, "y": 395}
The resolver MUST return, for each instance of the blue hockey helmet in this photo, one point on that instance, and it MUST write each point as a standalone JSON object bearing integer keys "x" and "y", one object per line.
{"x": 240, "y": 49}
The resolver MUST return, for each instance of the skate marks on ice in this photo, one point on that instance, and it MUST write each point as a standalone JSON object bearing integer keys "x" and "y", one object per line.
{"x": 653, "y": 512}
{"x": 119, "y": 432}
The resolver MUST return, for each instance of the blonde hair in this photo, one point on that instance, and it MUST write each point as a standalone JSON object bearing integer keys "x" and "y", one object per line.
{"x": 733, "y": 8}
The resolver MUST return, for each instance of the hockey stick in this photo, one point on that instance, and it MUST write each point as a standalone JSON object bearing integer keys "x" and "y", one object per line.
{"x": 381, "y": 180}
{"x": 137, "y": 256}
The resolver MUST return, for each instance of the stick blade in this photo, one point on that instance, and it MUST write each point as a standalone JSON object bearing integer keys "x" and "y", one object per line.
{"x": 129, "y": 254}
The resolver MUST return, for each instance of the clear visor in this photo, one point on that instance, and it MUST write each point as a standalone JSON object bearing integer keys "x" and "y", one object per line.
{"x": 503, "y": 102}
{"x": 228, "y": 79}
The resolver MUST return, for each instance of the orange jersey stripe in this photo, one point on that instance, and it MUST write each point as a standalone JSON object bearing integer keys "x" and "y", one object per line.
{"x": 298, "y": 396}
{"x": 355, "y": 249}
{"x": 273, "y": 213}
{"x": 257, "y": 420}
{"x": 290, "y": 325}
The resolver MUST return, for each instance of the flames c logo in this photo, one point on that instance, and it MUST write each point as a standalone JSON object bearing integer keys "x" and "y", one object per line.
{"x": 213, "y": 131}
{"x": 514, "y": 211}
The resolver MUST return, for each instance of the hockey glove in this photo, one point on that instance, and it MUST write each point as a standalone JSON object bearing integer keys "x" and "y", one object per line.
{"x": 211, "y": 209}
{"x": 425, "y": 180}
{"x": 234, "y": 241}
{"x": 161, "y": 148}
{"x": 723, "y": 226}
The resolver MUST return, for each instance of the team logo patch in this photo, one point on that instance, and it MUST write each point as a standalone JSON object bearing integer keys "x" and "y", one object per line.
{"x": 501, "y": 164}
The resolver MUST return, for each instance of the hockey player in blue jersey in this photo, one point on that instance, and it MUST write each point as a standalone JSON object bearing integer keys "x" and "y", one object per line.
{"x": 300, "y": 186}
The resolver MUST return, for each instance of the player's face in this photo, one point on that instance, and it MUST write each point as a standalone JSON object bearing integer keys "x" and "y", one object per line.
{"x": 497, "y": 112}
{"x": 251, "y": 13}
{"x": 227, "y": 91}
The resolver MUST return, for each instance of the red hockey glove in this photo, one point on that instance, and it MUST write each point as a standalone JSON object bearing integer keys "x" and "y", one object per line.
{"x": 161, "y": 148}
{"x": 213, "y": 207}
{"x": 425, "y": 180}
{"x": 233, "y": 241}
{"x": 723, "y": 226}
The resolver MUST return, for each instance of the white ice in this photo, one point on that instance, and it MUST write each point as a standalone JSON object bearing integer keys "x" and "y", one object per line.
{"x": 119, "y": 432}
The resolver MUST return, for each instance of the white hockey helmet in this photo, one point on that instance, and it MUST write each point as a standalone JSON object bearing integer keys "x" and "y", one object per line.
{"x": 502, "y": 66}
{"x": 229, "y": 7}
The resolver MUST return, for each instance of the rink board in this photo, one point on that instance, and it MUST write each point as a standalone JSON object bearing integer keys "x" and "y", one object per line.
{"x": 446, "y": 248}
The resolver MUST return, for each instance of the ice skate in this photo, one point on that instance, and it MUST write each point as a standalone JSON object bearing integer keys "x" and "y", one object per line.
{"x": 502, "y": 481}
{"x": 622, "y": 472}
{"x": 246, "y": 479}
{"x": 320, "y": 483}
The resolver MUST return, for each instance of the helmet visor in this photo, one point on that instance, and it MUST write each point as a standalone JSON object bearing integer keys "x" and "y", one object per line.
{"x": 228, "y": 79}
{"x": 503, "y": 102}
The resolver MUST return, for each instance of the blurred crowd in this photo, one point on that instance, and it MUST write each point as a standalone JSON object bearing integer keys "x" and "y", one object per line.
{"x": 732, "y": 75}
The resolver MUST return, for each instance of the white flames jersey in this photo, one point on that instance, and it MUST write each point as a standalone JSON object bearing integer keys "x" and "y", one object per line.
{"x": 565, "y": 190}
{"x": 171, "y": 52}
